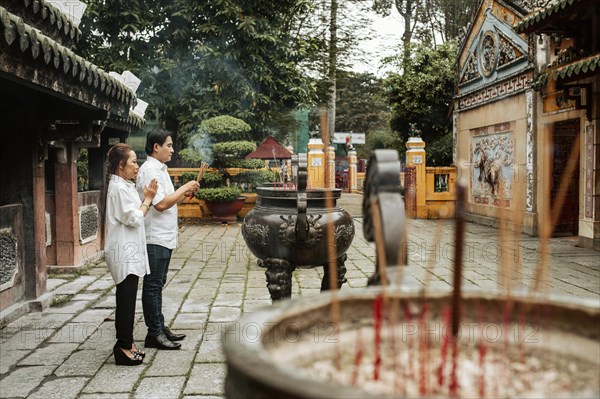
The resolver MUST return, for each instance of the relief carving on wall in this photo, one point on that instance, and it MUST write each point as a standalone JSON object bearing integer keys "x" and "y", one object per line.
{"x": 492, "y": 157}
{"x": 472, "y": 70}
{"x": 531, "y": 5}
{"x": 88, "y": 223}
{"x": 9, "y": 258}
{"x": 508, "y": 51}
{"x": 488, "y": 53}
{"x": 530, "y": 170}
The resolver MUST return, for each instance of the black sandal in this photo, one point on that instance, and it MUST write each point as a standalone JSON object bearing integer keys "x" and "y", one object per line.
{"x": 136, "y": 351}
{"x": 123, "y": 359}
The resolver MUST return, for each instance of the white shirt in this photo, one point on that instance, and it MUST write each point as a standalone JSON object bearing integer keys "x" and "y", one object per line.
{"x": 161, "y": 227}
{"x": 125, "y": 244}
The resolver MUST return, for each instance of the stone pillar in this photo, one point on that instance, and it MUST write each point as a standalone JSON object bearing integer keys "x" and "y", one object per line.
{"x": 39, "y": 226}
{"x": 67, "y": 205}
{"x": 352, "y": 178}
{"x": 316, "y": 164}
{"x": 330, "y": 177}
{"x": 415, "y": 156}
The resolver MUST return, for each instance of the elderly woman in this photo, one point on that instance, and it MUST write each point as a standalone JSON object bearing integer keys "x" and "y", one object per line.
{"x": 125, "y": 244}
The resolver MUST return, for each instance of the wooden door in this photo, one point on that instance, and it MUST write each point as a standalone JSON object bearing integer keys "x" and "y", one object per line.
{"x": 563, "y": 139}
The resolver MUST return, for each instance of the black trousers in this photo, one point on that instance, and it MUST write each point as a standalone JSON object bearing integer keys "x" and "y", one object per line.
{"x": 125, "y": 313}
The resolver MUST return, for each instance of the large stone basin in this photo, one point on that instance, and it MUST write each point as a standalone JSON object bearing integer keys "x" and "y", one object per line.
{"x": 272, "y": 353}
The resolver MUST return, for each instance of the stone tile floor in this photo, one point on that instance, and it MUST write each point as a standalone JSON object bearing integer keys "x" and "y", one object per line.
{"x": 66, "y": 351}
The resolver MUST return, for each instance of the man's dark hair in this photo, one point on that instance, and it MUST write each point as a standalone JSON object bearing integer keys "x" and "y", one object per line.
{"x": 156, "y": 136}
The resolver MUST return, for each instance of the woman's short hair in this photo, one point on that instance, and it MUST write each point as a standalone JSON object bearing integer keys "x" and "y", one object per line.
{"x": 156, "y": 136}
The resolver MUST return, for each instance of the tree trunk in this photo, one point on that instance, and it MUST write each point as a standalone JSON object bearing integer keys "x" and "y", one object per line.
{"x": 332, "y": 70}
{"x": 406, "y": 13}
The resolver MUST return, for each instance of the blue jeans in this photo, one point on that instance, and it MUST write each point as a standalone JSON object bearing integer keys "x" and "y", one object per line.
{"x": 154, "y": 282}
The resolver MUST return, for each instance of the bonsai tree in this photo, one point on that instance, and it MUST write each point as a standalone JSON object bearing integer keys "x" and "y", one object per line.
{"x": 222, "y": 142}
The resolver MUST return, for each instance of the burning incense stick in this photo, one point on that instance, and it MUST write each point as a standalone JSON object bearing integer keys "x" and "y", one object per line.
{"x": 202, "y": 170}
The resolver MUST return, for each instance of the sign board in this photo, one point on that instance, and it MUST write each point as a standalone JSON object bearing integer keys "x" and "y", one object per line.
{"x": 417, "y": 159}
{"x": 342, "y": 137}
{"x": 316, "y": 162}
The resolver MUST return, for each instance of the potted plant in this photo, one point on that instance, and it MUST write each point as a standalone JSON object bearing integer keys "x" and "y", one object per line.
{"x": 220, "y": 142}
{"x": 224, "y": 203}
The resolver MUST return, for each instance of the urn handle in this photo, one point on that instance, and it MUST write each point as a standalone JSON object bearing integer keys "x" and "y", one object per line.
{"x": 301, "y": 163}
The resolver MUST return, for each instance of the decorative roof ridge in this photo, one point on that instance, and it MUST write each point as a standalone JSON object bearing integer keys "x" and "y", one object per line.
{"x": 125, "y": 123}
{"x": 567, "y": 70}
{"x": 467, "y": 30}
{"x": 73, "y": 66}
{"x": 542, "y": 13}
{"x": 135, "y": 120}
{"x": 576, "y": 66}
{"x": 42, "y": 10}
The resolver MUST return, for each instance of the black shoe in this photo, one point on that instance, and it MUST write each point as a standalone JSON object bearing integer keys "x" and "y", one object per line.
{"x": 172, "y": 336}
{"x": 136, "y": 351}
{"x": 122, "y": 357}
{"x": 161, "y": 342}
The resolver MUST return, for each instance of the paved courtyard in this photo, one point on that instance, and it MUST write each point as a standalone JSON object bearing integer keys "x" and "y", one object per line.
{"x": 66, "y": 351}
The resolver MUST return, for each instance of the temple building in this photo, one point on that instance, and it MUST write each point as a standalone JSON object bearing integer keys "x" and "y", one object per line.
{"x": 54, "y": 106}
{"x": 526, "y": 115}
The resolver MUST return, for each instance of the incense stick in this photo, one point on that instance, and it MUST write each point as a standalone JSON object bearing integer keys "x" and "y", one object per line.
{"x": 333, "y": 273}
{"x": 458, "y": 257}
{"x": 202, "y": 170}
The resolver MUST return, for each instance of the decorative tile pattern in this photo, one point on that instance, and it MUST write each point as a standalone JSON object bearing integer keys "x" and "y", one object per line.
{"x": 514, "y": 85}
{"x": 88, "y": 223}
{"x": 9, "y": 258}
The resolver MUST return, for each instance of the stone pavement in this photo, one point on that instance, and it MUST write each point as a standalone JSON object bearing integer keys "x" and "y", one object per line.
{"x": 66, "y": 351}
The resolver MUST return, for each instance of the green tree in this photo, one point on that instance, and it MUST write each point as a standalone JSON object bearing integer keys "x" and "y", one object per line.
{"x": 361, "y": 103}
{"x": 199, "y": 59}
{"x": 422, "y": 97}
{"x": 338, "y": 27}
{"x": 381, "y": 139}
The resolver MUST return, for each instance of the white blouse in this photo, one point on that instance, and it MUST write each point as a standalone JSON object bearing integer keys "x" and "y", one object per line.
{"x": 125, "y": 243}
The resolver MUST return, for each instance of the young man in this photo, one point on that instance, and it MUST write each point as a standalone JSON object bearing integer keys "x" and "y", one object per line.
{"x": 161, "y": 235}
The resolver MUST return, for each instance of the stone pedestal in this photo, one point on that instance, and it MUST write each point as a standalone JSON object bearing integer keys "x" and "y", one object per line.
{"x": 352, "y": 176}
{"x": 316, "y": 164}
{"x": 415, "y": 156}
{"x": 330, "y": 172}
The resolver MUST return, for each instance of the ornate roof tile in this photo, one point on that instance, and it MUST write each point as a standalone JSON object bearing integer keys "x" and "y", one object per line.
{"x": 14, "y": 32}
{"x": 537, "y": 17}
{"x": 572, "y": 70}
{"x": 47, "y": 18}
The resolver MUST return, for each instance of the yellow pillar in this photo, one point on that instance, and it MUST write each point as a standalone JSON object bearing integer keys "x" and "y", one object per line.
{"x": 316, "y": 164}
{"x": 352, "y": 178}
{"x": 330, "y": 170}
{"x": 415, "y": 156}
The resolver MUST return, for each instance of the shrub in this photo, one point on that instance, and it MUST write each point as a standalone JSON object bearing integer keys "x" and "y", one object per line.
{"x": 186, "y": 177}
{"x": 244, "y": 163}
{"x": 212, "y": 180}
{"x": 225, "y": 126}
{"x": 253, "y": 178}
{"x": 233, "y": 149}
{"x": 191, "y": 156}
{"x": 220, "y": 194}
